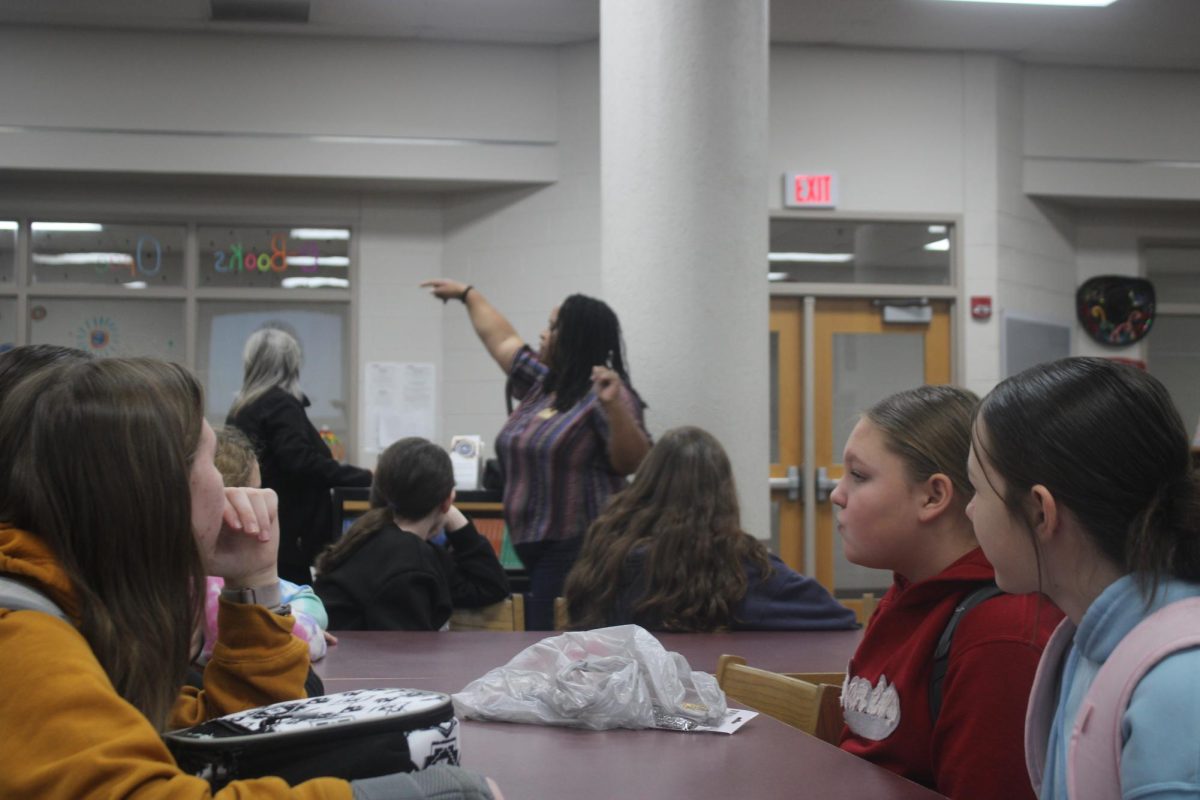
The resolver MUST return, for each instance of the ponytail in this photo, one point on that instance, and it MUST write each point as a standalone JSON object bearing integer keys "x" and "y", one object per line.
{"x": 1167, "y": 534}
{"x": 363, "y": 529}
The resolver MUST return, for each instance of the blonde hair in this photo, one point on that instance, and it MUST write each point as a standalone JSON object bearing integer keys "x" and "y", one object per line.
{"x": 235, "y": 457}
{"x": 929, "y": 428}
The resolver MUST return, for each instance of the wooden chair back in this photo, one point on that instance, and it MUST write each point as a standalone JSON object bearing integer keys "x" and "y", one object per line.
{"x": 813, "y": 707}
{"x": 507, "y": 615}
{"x": 561, "y": 620}
{"x": 863, "y": 607}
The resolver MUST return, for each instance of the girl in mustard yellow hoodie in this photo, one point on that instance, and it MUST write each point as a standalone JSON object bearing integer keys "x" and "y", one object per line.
{"x": 109, "y": 506}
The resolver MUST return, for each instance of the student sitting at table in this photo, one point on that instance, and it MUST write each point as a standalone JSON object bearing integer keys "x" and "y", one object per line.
{"x": 111, "y": 515}
{"x": 238, "y": 466}
{"x": 668, "y": 553}
{"x": 902, "y": 507}
{"x": 389, "y": 572}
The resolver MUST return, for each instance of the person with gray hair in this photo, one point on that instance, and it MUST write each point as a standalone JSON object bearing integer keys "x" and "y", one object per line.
{"x": 294, "y": 460}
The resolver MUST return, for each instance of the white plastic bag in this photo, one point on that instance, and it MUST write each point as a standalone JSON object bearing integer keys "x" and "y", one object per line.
{"x": 619, "y": 677}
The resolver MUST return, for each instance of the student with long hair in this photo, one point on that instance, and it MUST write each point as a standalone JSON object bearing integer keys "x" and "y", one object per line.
{"x": 954, "y": 726}
{"x": 576, "y": 434}
{"x": 295, "y": 461}
{"x": 669, "y": 553}
{"x": 387, "y": 573}
{"x": 113, "y": 514}
{"x": 1085, "y": 491}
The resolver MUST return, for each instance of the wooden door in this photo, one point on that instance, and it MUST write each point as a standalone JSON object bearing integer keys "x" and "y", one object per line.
{"x": 858, "y": 359}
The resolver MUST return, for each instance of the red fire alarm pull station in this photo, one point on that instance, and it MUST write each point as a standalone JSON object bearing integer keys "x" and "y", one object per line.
{"x": 981, "y": 307}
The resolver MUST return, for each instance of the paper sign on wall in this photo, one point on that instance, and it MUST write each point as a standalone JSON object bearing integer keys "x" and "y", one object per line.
{"x": 400, "y": 401}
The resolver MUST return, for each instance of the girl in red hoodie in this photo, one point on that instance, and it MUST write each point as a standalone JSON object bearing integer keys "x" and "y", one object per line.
{"x": 902, "y": 507}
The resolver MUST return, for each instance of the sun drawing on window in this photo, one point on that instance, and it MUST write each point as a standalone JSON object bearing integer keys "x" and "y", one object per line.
{"x": 97, "y": 334}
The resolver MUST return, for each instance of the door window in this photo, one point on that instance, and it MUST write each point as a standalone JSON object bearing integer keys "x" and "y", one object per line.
{"x": 839, "y": 251}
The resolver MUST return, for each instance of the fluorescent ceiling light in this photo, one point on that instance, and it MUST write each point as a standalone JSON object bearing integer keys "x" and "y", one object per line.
{"x": 6, "y": 225}
{"x": 777, "y": 276}
{"x": 315, "y": 283}
{"x": 940, "y": 244}
{"x": 326, "y": 234}
{"x": 320, "y": 261}
{"x": 814, "y": 258}
{"x": 39, "y": 227}
{"x": 1090, "y": 3}
{"x": 88, "y": 259}
{"x": 1171, "y": 164}
{"x": 937, "y": 228}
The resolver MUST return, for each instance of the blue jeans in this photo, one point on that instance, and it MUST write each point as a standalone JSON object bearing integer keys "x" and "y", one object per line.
{"x": 548, "y": 563}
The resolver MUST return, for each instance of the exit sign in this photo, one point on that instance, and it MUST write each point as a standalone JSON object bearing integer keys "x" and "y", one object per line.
{"x": 805, "y": 190}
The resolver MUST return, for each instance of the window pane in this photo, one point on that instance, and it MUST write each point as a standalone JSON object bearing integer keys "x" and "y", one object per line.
{"x": 828, "y": 251}
{"x": 1173, "y": 356}
{"x": 274, "y": 257}
{"x": 8, "y": 323}
{"x": 773, "y": 360}
{"x": 110, "y": 327}
{"x": 1175, "y": 272}
{"x": 323, "y": 332}
{"x": 868, "y": 367}
{"x": 136, "y": 256}
{"x": 8, "y": 251}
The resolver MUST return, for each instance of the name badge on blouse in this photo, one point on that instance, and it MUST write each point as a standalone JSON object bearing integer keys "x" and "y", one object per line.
{"x": 546, "y": 413}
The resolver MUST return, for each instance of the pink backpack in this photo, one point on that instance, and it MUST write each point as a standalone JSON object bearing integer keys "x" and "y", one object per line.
{"x": 1094, "y": 752}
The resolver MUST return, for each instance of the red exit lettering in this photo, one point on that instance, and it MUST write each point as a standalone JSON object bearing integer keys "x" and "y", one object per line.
{"x": 811, "y": 190}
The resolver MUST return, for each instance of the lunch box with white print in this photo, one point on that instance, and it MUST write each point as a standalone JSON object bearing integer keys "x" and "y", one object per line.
{"x": 362, "y": 733}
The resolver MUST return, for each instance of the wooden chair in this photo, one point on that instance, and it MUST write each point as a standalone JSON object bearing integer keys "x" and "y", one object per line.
{"x": 561, "y": 620}
{"x": 507, "y": 615}
{"x": 813, "y": 707}
{"x": 863, "y": 607}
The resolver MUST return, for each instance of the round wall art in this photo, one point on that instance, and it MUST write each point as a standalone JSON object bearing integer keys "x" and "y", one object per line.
{"x": 1116, "y": 310}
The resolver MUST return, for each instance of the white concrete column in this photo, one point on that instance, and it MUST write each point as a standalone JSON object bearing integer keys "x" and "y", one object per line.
{"x": 683, "y": 106}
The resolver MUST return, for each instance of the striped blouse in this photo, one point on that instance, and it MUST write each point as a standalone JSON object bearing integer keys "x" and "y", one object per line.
{"x": 557, "y": 475}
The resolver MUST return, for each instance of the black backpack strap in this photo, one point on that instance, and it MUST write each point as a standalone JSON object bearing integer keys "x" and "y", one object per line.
{"x": 941, "y": 654}
{"x": 16, "y": 595}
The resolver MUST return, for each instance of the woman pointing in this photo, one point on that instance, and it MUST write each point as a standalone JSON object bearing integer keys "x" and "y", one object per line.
{"x": 577, "y": 432}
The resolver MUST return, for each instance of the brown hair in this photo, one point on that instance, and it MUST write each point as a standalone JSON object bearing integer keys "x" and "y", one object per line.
{"x": 681, "y": 512}
{"x": 929, "y": 428}
{"x": 18, "y": 364}
{"x": 235, "y": 458}
{"x": 102, "y": 453}
{"x": 1107, "y": 442}
{"x": 412, "y": 478}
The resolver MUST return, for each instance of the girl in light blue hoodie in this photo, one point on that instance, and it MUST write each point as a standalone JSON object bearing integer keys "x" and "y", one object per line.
{"x": 1084, "y": 490}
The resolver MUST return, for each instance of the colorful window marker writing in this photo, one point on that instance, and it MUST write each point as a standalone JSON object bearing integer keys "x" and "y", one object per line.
{"x": 277, "y": 260}
{"x": 146, "y": 261}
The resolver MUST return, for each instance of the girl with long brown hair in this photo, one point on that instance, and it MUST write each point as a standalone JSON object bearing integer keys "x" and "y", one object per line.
{"x": 669, "y": 553}
{"x": 113, "y": 513}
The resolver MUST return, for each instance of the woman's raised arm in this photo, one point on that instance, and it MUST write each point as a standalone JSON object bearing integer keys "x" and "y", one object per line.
{"x": 497, "y": 333}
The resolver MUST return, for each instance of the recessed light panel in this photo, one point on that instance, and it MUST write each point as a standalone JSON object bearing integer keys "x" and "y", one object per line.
{"x": 1088, "y": 3}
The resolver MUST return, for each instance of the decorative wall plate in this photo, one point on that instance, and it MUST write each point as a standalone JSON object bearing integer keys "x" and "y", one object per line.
{"x": 1116, "y": 310}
